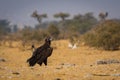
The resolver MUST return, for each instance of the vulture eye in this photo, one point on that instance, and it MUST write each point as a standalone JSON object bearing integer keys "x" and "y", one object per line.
{"x": 48, "y": 39}
{"x": 51, "y": 39}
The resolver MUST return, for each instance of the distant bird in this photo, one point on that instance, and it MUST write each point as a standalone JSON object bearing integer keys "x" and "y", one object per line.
{"x": 41, "y": 54}
{"x": 74, "y": 46}
{"x": 70, "y": 45}
{"x": 103, "y": 15}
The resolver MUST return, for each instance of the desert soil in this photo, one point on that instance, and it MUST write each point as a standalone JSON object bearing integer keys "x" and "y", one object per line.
{"x": 64, "y": 64}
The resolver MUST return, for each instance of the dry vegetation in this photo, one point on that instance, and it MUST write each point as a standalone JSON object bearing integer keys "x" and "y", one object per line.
{"x": 64, "y": 64}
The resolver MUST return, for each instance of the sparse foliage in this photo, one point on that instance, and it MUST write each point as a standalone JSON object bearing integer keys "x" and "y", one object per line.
{"x": 39, "y": 17}
{"x": 4, "y": 27}
{"x": 105, "y": 35}
{"x": 61, "y": 15}
{"x": 53, "y": 31}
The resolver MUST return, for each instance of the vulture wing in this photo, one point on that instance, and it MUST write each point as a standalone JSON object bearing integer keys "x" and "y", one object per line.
{"x": 40, "y": 55}
{"x": 44, "y": 55}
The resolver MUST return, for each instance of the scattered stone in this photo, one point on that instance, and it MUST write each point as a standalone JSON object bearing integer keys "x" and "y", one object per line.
{"x": 59, "y": 67}
{"x": 67, "y": 64}
{"x": 106, "y": 75}
{"x": 16, "y": 73}
{"x": 62, "y": 64}
{"x": 115, "y": 74}
{"x": 107, "y": 61}
{"x": 91, "y": 65}
{"x": 100, "y": 74}
{"x": 101, "y": 62}
{"x": 2, "y": 60}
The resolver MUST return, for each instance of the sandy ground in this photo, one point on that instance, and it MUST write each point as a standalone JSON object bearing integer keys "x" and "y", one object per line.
{"x": 64, "y": 64}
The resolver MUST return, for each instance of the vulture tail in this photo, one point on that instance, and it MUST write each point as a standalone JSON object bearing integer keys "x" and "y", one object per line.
{"x": 32, "y": 61}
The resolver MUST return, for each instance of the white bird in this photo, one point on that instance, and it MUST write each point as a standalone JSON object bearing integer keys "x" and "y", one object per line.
{"x": 74, "y": 46}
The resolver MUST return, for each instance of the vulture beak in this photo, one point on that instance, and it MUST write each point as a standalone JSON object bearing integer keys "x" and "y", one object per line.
{"x": 51, "y": 39}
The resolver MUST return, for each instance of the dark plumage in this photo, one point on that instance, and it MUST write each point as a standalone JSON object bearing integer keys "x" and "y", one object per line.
{"x": 41, "y": 54}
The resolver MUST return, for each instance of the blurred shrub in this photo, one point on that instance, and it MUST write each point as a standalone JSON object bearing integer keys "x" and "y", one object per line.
{"x": 38, "y": 35}
{"x": 105, "y": 35}
{"x": 53, "y": 30}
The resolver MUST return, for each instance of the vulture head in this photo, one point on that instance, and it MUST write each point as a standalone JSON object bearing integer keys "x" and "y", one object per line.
{"x": 48, "y": 40}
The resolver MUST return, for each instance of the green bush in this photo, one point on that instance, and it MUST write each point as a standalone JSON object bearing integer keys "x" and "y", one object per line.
{"x": 105, "y": 35}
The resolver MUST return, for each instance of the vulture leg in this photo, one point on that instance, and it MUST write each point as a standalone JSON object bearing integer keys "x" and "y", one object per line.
{"x": 41, "y": 60}
{"x": 40, "y": 64}
{"x": 41, "y": 54}
{"x": 45, "y": 62}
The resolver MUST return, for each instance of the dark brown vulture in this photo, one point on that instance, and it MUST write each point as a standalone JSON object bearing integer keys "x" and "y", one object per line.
{"x": 41, "y": 54}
